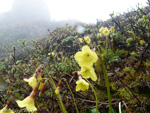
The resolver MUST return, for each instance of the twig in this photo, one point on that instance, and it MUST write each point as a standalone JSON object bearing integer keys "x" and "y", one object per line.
{"x": 126, "y": 107}
{"x": 130, "y": 91}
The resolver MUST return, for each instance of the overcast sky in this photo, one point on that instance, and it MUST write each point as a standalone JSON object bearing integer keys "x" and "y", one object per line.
{"x": 83, "y": 10}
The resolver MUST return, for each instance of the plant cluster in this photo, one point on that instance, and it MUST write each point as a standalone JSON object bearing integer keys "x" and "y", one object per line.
{"x": 54, "y": 77}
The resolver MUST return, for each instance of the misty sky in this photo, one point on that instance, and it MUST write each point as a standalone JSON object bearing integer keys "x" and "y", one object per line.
{"x": 83, "y": 10}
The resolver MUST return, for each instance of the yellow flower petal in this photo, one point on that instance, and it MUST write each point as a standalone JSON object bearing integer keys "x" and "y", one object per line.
{"x": 86, "y": 57}
{"x": 31, "y": 107}
{"x": 78, "y": 55}
{"x": 53, "y": 53}
{"x": 106, "y": 31}
{"x": 81, "y": 40}
{"x": 95, "y": 57}
{"x": 101, "y": 29}
{"x": 88, "y": 72}
{"x": 87, "y": 39}
{"x": 82, "y": 85}
{"x": 31, "y": 81}
{"x": 5, "y": 110}
{"x": 21, "y": 104}
{"x": 93, "y": 74}
{"x": 112, "y": 29}
{"x": 84, "y": 72}
{"x": 86, "y": 48}
{"x": 28, "y": 102}
{"x": 77, "y": 88}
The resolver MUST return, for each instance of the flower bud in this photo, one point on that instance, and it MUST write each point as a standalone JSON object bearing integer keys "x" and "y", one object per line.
{"x": 43, "y": 88}
{"x": 57, "y": 91}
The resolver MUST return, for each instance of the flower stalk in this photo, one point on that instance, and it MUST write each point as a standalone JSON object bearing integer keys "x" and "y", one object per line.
{"x": 107, "y": 83}
{"x": 72, "y": 95}
{"x": 58, "y": 97}
{"x": 95, "y": 95}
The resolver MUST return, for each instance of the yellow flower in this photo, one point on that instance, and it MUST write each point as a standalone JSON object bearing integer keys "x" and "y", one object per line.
{"x": 112, "y": 29}
{"x": 31, "y": 81}
{"x": 100, "y": 35}
{"x": 86, "y": 57}
{"x": 52, "y": 53}
{"x": 82, "y": 85}
{"x": 106, "y": 31}
{"x": 101, "y": 29}
{"x": 28, "y": 102}
{"x": 5, "y": 110}
{"x": 88, "y": 72}
{"x": 81, "y": 40}
{"x": 87, "y": 39}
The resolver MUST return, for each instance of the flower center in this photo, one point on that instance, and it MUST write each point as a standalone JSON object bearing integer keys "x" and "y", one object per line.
{"x": 87, "y": 56}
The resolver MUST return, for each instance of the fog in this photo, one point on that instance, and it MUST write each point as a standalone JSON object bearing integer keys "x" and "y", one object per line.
{"x": 26, "y": 10}
{"x": 26, "y": 19}
{"x": 83, "y": 10}
{"x": 89, "y": 10}
{"x": 30, "y": 10}
{"x": 32, "y": 18}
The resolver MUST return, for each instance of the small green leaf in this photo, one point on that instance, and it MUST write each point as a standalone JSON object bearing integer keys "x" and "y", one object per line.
{"x": 112, "y": 14}
{"x": 16, "y": 94}
{"x": 47, "y": 93}
{"x": 94, "y": 110}
{"x": 21, "y": 97}
{"x": 113, "y": 110}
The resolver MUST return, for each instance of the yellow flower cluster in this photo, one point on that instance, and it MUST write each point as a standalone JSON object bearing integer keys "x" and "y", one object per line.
{"x": 33, "y": 81}
{"x": 86, "y": 58}
{"x": 112, "y": 29}
{"x": 86, "y": 39}
{"x": 28, "y": 102}
{"x": 52, "y": 53}
{"x": 106, "y": 31}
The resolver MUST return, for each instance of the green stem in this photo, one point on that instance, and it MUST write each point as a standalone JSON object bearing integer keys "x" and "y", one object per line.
{"x": 107, "y": 42}
{"x": 22, "y": 110}
{"x": 61, "y": 104}
{"x": 107, "y": 84}
{"x": 95, "y": 95}
{"x": 58, "y": 97}
{"x": 71, "y": 94}
{"x": 50, "y": 78}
